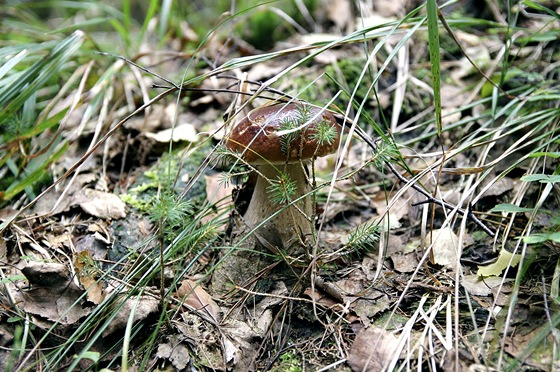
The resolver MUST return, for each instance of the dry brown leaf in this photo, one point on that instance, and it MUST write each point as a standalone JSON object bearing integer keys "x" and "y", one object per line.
{"x": 142, "y": 307}
{"x": 320, "y": 299}
{"x": 54, "y": 296}
{"x": 86, "y": 272}
{"x": 405, "y": 263}
{"x": 102, "y": 204}
{"x": 373, "y": 350}
{"x": 196, "y": 297}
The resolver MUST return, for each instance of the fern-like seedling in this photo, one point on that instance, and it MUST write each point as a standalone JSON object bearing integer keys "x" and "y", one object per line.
{"x": 285, "y": 141}
{"x": 290, "y": 124}
{"x": 364, "y": 238}
{"x": 282, "y": 190}
{"x": 385, "y": 152}
{"x": 324, "y": 134}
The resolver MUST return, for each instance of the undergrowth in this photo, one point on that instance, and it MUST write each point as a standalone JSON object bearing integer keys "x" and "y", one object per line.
{"x": 66, "y": 99}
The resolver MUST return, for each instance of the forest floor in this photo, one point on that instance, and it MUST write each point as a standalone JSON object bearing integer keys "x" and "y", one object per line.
{"x": 433, "y": 231}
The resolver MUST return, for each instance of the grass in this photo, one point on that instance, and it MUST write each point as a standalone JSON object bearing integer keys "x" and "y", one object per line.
{"x": 66, "y": 100}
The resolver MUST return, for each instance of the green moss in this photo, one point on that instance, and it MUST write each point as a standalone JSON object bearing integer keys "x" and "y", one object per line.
{"x": 170, "y": 173}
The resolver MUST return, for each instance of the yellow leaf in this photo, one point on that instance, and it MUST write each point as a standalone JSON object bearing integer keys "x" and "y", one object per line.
{"x": 497, "y": 267}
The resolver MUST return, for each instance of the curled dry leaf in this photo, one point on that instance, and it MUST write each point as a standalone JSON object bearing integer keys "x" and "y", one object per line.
{"x": 196, "y": 297}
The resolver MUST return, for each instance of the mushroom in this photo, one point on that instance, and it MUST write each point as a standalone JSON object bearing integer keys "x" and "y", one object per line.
{"x": 279, "y": 141}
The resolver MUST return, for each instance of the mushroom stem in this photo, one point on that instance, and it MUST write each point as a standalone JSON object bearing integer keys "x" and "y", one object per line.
{"x": 292, "y": 225}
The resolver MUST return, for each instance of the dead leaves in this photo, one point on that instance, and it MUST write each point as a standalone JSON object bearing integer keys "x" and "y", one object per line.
{"x": 88, "y": 274}
{"x": 101, "y": 204}
{"x": 445, "y": 247}
{"x": 373, "y": 350}
{"x": 53, "y": 295}
{"x": 196, "y": 298}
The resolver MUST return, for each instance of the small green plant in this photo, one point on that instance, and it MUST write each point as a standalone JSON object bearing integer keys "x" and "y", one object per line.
{"x": 290, "y": 362}
{"x": 282, "y": 190}
{"x": 364, "y": 238}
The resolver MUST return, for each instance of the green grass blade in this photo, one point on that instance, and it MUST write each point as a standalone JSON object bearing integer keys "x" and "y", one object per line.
{"x": 164, "y": 17}
{"x": 433, "y": 42}
{"x": 150, "y": 13}
{"x": 12, "y": 62}
{"x": 12, "y": 97}
{"x": 33, "y": 176}
{"x": 542, "y": 8}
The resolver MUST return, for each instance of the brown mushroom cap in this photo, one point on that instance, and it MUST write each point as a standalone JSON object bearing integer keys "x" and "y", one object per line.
{"x": 256, "y": 136}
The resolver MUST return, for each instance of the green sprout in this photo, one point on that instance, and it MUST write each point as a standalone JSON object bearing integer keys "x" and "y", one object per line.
{"x": 282, "y": 190}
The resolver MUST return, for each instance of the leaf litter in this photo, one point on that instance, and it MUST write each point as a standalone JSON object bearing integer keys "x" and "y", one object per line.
{"x": 369, "y": 308}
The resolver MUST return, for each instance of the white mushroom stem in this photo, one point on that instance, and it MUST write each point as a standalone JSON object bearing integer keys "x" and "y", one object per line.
{"x": 290, "y": 226}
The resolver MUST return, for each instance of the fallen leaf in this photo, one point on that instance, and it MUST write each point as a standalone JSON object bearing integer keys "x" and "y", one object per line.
{"x": 145, "y": 305}
{"x": 55, "y": 297}
{"x": 404, "y": 263}
{"x": 46, "y": 274}
{"x": 498, "y": 187}
{"x": 366, "y": 308}
{"x": 182, "y": 132}
{"x": 477, "y": 286}
{"x": 102, "y": 204}
{"x": 393, "y": 212}
{"x": 373, "y": 350}
{"x": 321, "y": 299}
{"x": 196, "y": 297}
{"x": 445, "y": 247}
{"x": 505, "y": 259}
{"x": 86, "y": 271}
{"x": 174, "y": 351}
